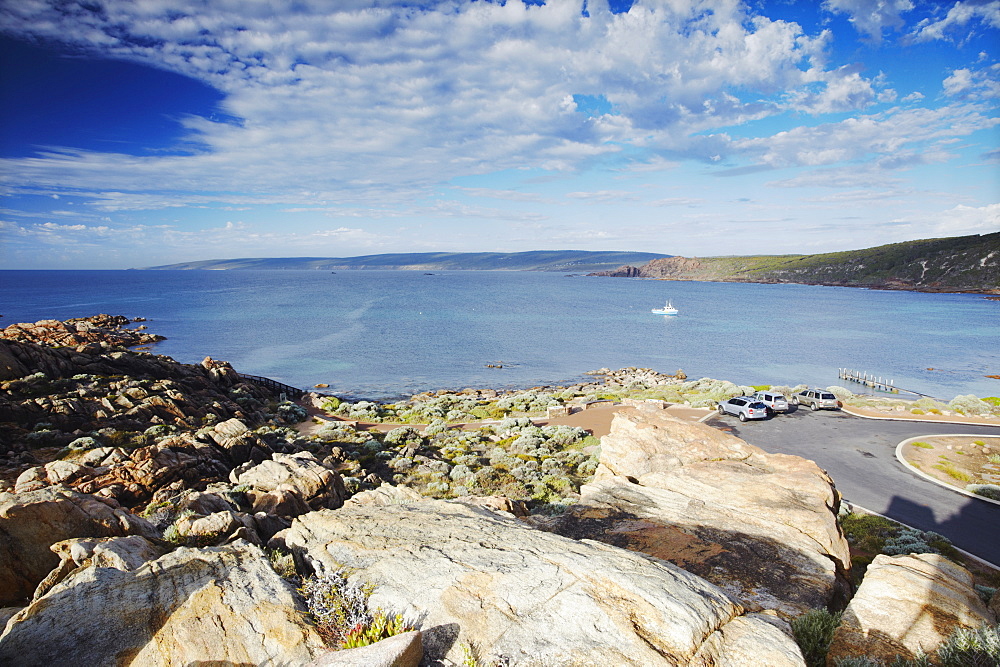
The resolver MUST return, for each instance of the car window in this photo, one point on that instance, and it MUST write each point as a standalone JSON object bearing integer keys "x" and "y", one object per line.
{"x": 827, "y": 396}
{"x": 758, "y": 406}
{"x": 737, "y": 401}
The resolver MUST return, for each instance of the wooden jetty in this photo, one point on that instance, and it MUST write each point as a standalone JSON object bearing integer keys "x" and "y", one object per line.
{"x": 875, "y": 382}
{"x": 870, "y": 380}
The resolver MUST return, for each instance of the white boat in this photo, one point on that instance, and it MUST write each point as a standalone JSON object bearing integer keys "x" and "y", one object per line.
{"x": 666, "y": 310}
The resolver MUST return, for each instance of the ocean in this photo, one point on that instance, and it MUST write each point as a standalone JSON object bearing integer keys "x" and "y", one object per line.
{"x": 386, "y": 334}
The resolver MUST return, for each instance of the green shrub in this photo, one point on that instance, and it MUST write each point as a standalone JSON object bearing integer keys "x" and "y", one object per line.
{"x": 813, "y": 632}
{"x": 922, "y": 445}
{"x": 970, "y": 648}
{"x": 878, "y": 535}
{"x": 970, "y": 405}
{"x": 986, "y": 593}
{"x": 340, "y": 610}
{"x": 991, "y": 491}
{"x": 382, "y": 626}
{"x": 282, "y": 563}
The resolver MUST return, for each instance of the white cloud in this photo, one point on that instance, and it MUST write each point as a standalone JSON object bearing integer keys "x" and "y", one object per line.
{"x": 603, "y": 196}
{"x": 361, "y": 103}
{"x": 677, "y": 201}
{"x": 506, "y": 195}
{"x": 871, "y": 18}
{"x": 894, "y": 138}
{"x": 958, "y": 16}
{"x": 966, "y": 83}
{"x": 971, "y": 219}
{"x": 958, "y": 221}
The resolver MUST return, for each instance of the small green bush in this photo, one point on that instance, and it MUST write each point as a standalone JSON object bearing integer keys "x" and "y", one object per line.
{"x": 382, "y": 626}
{"x": 922, "y": 445}
{"x": 339, "y": 608}
{"x": 970, "y": 648}
{"x": 991, "y": 491}
{"x": 282, "y": 563}
{"x": 813, "y": 632}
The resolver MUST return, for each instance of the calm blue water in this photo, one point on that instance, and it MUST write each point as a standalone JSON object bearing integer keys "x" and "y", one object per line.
{"x": 390, "y": 333}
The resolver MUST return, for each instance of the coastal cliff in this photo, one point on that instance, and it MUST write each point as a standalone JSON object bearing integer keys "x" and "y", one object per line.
{"x": 961, "y": 264}
{"x": 201, "y": 520}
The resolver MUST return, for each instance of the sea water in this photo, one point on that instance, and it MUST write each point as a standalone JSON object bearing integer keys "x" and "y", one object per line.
{"x": 384, "y": 334}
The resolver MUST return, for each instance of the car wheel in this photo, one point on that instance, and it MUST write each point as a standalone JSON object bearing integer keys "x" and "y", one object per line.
{"x": 814, "y": 406}
{"x": 721, "y": 411}
{"x": 795, "y": 401}
{"x": 743, "y": 417}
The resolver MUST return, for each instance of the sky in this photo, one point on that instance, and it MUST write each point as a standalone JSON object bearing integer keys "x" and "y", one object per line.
{"x": 146, "y": 132}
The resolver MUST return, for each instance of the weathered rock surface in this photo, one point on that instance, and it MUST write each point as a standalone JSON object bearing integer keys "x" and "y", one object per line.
{"x": 220, "y": 605}
{"x": 89, "y": 382}
{"x": 300, "y": 474}
{"x": 403, "y": 650}
{"x": 761, "y": 526}
{"x": 218, "y": 528}
{"x": 108, "y": 329}
{"x": 148, "y": 469}
{"x": 121, "y": 553}
{"x": 386, "y": 494}
{"x": 905, "y": 605}
{"x": 32, "y": 522}
{"x": 468, "y": 575}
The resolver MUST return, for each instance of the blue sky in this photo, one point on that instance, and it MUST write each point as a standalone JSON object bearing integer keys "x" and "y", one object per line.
{"x": 154, "y": 131}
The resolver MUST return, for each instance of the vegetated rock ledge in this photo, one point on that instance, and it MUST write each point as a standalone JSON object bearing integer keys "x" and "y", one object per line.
{"x": 159, "y": 532}
{"x": 969, "y": 264}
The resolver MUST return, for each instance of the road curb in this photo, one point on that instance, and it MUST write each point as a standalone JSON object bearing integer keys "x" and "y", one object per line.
{"x": 921, "y": 473}
{"x": 910, "y": 419}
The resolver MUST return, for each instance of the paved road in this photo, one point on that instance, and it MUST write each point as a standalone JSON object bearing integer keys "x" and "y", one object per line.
{"x": 860, "y": 456}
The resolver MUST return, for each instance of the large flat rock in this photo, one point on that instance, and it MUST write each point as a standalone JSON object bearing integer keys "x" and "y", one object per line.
{"x": 222, "y": 605}
{"x": 907, "y": 605}
{"x": 762, "y": 526}
{"x": 32, "y": 522}
{"x": 465, "y": 575}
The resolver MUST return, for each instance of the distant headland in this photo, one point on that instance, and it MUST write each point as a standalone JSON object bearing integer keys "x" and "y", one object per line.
{"x": 957, "y": 264}
{"x": 575, "y": 261}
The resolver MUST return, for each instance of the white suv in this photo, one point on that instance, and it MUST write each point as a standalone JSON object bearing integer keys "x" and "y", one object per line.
{"x": 775, "y": 402}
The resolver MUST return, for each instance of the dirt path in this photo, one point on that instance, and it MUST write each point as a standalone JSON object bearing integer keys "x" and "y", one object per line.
{"x": 595, "y": 418}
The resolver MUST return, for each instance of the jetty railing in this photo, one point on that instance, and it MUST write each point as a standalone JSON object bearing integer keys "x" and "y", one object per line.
{"x": 875, "y": 382}
{"x": 274, "y": 385}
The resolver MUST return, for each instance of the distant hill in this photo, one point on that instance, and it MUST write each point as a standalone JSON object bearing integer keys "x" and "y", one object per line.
{"x": 959, "y": 264}
{"x": 580, "y": 261}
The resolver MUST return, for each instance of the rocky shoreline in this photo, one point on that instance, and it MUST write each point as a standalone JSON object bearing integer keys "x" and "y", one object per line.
{"x": 181, "y": 506}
